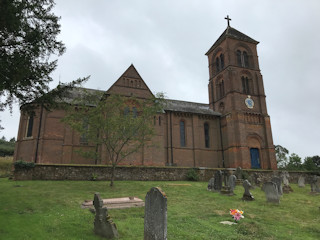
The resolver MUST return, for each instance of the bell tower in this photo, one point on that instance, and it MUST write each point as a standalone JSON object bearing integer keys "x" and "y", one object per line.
{"x": 236, "y": 91}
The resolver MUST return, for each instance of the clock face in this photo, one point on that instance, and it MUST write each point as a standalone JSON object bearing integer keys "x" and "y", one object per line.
{"x": 249, "y": 102}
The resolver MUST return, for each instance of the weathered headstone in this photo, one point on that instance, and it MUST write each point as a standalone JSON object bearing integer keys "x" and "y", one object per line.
{"x": 315, "y": 188}
{"x": 232, "y": 182}
{"x": 257, "y": 179}
{"x": 278, "y": 182}
{"x": 285, "y": 179}
{"x": 217, "y": 181}
{"x": 239, "y": 175}
{"x": 103, "y": 225}
{"x": 271, "y": 191}
{"x": 155, "y": 216}
{"x": 210, "y": 184}
{"x": 247, "y": 196}
{"x": 301, "y": 181}
{"x": 226, "y": 190}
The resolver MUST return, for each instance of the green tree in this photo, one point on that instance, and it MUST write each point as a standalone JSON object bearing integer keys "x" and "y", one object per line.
{"x": 294, "y": 163}
{"x": 28, "y": 44}
{"x": 6, "y": 147}
{"x": 122, "y": 125}
{"x": 281, "y": 156}
{"x": 309, "y": 165}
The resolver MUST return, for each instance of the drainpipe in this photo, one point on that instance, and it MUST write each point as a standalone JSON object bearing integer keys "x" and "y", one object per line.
{"x": 171, "y": 138}
{"x": 39, "y": 130}
{"x": 223, "y": 165}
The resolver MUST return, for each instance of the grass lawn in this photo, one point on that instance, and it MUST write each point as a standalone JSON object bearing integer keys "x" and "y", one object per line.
{"x": 51, "y": 210}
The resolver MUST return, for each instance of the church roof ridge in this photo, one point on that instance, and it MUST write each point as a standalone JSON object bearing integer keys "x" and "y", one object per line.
{"x": 189, "y": 107}
{"x": 231, "y": 32}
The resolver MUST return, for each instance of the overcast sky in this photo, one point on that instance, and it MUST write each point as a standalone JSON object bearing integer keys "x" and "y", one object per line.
{"x": 166, "y": 41}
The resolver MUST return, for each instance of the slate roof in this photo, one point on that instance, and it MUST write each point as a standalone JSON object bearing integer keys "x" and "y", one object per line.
{"x": 232, "y": 33}
{"x": 189, "y": 107}
{"x": 80, "y": 93}
{"x": 169, "y": 105}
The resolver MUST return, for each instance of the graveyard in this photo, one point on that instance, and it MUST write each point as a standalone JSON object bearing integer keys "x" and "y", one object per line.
{"x": 52, "y": 210}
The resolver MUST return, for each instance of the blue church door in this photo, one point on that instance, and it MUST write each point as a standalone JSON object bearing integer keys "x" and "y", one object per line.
{"x": 255, "y": 159}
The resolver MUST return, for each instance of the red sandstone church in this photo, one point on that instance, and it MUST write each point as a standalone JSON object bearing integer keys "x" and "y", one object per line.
{"x": 232, "y": 130}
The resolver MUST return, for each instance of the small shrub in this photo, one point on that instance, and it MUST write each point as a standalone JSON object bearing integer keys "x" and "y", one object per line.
{"x": 192, "y": 175}
{"x": 94, "y": 177}
{"x": 23, "y": 165}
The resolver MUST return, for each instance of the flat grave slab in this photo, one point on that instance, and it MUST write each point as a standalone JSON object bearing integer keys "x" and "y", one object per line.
{"x": 116, "y": 203}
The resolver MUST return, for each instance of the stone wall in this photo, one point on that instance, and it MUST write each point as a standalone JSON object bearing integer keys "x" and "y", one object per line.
{"x": 135, "y": 173}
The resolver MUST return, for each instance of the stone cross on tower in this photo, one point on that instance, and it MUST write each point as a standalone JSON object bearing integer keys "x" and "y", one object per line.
{"x": 228, "y": 19}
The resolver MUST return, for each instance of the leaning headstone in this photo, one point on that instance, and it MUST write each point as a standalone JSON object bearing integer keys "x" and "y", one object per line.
{"x": 210, "y": 184}
{"x": 271, "y": 191}
{"x": 155, "y": 215}
{"x": 277, "y": 181}
{"x": 315, "y": 188}
{"x": 247, "y": 196}
{"x": 301, "y": 181}
{"x": 103, "y": 225}
{"x": 217, "y": 181}
{"x": 232, "y": 182}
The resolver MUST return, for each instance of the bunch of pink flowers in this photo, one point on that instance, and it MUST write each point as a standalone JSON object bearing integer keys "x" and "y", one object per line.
{"x": 236, "y": 214}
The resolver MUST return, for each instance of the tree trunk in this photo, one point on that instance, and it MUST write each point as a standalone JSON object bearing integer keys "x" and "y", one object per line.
{"x": 113, "y": 170}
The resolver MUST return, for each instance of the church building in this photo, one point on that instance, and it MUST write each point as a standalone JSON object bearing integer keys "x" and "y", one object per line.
{"x": 233, "y": 129}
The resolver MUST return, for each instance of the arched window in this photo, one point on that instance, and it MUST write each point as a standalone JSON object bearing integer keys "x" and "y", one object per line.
{"x": 29, "y": 126}
{"x": 217, "y": 65}
{"x": 242, "y": 59}
{"x": 134, "y": 112}
{"x": 221, "y": 61}
{"x": 84, "y": 135}
{"x": 206, "y": 135}
{"x": 126, "y": 111}
{"x": 239, "y": 58}
{"x": 182, "y": 134}
{"x": 220, "y": 89}
{"x": 245, "y": 85}
{"x": 245, "y": 59}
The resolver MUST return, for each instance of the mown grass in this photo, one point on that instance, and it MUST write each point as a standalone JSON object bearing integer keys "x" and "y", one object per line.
{"x": 5, "y": 166}
{"x": 51, "y": 210}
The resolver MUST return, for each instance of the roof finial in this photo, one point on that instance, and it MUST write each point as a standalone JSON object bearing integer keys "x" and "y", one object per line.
{"x": 228, "y": 19}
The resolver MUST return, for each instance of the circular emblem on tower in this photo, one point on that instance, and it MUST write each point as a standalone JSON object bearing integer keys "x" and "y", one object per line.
{"x": 249, "y": 102}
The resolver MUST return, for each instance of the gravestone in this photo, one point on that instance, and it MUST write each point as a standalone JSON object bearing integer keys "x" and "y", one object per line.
{"x": 247, "y": 196}
{"x": 285, "y": 179}
{"x": 217, "y": 181}
{"x": 301, "y": 181}
{"x": 103, "y": 225}
{"x": 210, "y": 184}
{"x": 257, "y": 179}
{"x": 271, "y": 191}
{"x": 315, "y": 188}
{"x": 155, "y": 215}
{"x": 278, "y": 182}
{"x": 232, "y": 182}
{"x": 239, "y": 175}
{"x": 226, "y": 190}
